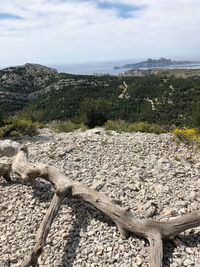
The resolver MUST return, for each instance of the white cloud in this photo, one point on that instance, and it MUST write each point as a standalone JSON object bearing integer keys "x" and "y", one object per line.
{"x": 66, "y": 31}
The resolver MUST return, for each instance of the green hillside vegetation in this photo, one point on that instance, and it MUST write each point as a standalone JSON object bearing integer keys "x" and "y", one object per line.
{"x": 152, "y": 99}
{"x": 160, "y": 99}
{"x": 180, "y": 73}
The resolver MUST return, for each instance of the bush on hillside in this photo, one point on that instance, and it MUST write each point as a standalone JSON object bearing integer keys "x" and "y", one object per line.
{"x": 66, "y": 127}
{"x": 31, "y": 113}
{"x": 16, "y": 127}
{"x": 94, "y": 112}
{"x": 143, "y": 127}
{"x": 117, "y": 125}
{"x": 187, "y": 136}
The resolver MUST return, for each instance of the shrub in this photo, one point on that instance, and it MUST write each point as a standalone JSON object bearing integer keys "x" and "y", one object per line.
{"x": 94, "y": 112}
{"x": 31, "y": 113}
{"x": 16, "y": 127}
{"x": 118, "y": 126}
{"x": 144, "y": 127}
{"x": 187, "y": 136}
{"x": 66, "y": 127}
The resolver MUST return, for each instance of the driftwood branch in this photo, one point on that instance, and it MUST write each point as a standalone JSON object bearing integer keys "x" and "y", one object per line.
{"x": 154, "y": 231}
{"x": 46, "y": 225}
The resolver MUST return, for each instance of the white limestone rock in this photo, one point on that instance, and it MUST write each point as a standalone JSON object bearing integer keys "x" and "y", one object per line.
{"x": 8, "y": 148}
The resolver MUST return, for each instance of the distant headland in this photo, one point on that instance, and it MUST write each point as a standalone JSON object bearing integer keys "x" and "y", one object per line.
{"x": 155, "y": 63}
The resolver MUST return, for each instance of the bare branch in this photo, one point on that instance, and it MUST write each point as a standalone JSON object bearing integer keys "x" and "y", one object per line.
{"x": 156, "y": 249}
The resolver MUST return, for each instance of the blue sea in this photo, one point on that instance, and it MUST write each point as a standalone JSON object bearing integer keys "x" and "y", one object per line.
{"x": 105, "y": 67}
{"x": 108, "y": 67}
{"x": 91, "y": 68}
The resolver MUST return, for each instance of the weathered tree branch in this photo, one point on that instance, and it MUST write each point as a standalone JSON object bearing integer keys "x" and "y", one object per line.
{"x": 154, "y": 231}
{"x": 156, "y": 249}
{"x": 46, "y": 225}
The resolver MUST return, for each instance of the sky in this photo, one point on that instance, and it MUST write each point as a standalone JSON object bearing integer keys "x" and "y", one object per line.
{"x": 78, "y": 31}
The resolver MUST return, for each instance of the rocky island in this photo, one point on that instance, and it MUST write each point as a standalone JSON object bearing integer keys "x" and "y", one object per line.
{"x": 155, "y": 63}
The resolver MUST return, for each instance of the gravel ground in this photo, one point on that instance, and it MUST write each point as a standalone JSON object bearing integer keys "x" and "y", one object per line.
{"x": 148, "y": 173}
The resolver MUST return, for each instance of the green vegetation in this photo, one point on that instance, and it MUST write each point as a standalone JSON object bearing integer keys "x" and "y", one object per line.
{"x": 144, "y": 127}
{"x": 152, "y": 99}
{"x": 180, "y": 73}
{"x": 93, "y": 112}
{"x": 92, "y": 100}
{"x": 196, "y": 116}
{"x": 117, "y": 125}
{"x": 15, "y": 127}
{"x": 66, "y": 127}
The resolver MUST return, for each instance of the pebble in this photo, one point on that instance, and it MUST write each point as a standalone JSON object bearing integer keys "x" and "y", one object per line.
{"x": 188, "y": 262}
{"x": 139, "y": 171}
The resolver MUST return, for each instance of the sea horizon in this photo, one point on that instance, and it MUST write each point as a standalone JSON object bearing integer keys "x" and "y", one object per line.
{"x": 104, "y": 67}
{"x": 108, "y": 67}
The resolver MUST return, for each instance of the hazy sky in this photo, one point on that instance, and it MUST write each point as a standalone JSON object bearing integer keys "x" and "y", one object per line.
{"x": 66, "y": 31}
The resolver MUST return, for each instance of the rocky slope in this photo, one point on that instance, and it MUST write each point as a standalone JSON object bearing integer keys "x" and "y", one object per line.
{"x": 26, "y": 76}
{"x": 139, "y": 72}
{"x": 178, "y": 73}
{"x": 21, "y": 84}
{"x": 17, "y": 85}
{"x": 147, "y": 173}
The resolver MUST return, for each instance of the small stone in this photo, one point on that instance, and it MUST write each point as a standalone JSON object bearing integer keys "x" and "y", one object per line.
{"x": 183, "y": 210}
{"x": 188, "y": 262}
{"x": 167, "y": 212}
{"x": 98, "y": 186}
{"x": 139, "y": 260}
{"x": 189, "y": 250}
{"x": 8, "y": 148}
{"x": 2, "y": 207}
{"x": 162, "y": 161}
{"x": 117, "y": 256}
{"x": 193, "y": 194}
{"x": 2, "y": 264}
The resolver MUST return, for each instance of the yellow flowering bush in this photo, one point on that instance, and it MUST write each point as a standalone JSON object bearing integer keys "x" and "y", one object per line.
{"x": 187, "y": 135}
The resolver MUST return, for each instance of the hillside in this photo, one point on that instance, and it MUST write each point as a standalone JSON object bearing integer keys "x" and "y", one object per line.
{"x": 20, "y": 84}
{"x": 178, "y": 73}
{"x": 48, "y": 95}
